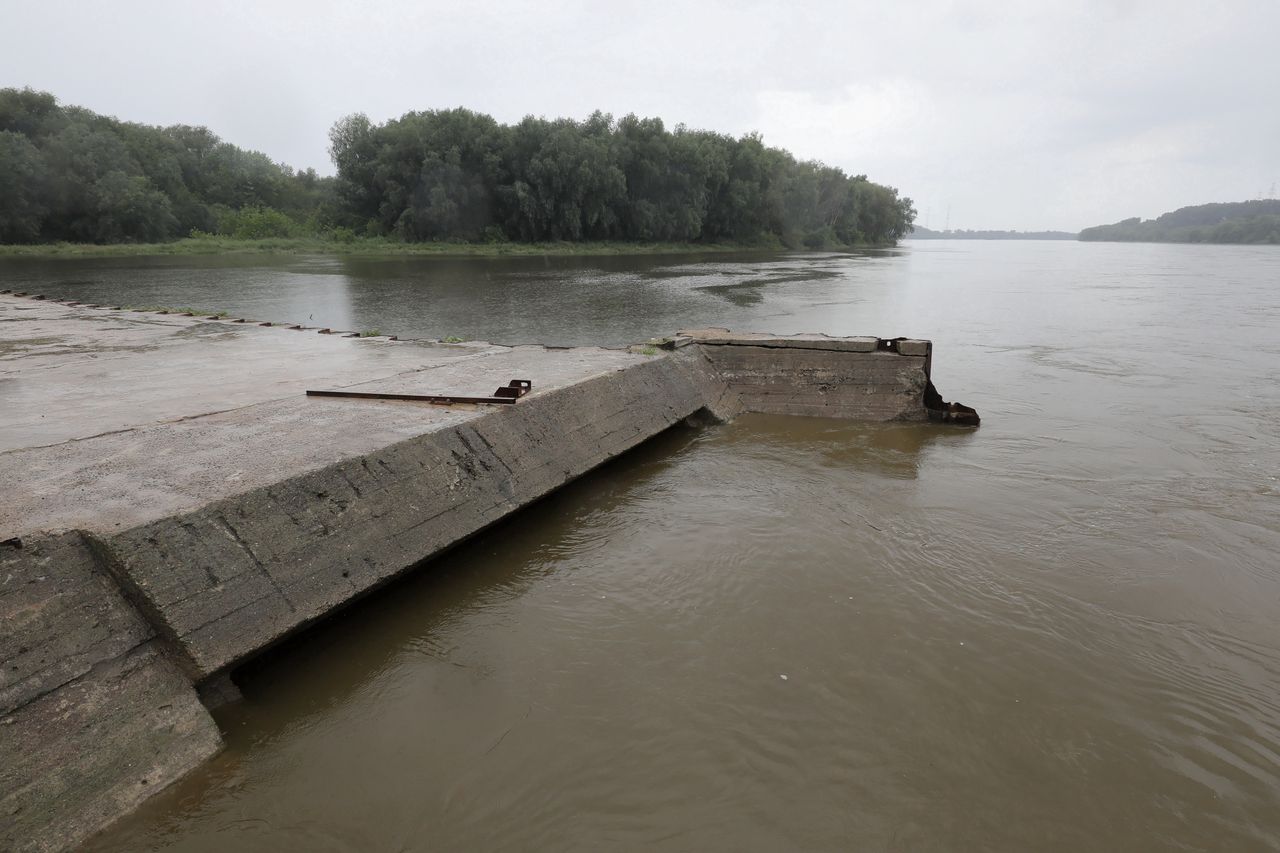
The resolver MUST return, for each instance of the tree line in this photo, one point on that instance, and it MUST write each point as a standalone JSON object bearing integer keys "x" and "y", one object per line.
{"x": 461, "y": 174}
{"x": 67, "y": 173}
{"x": 1233, "y": 222}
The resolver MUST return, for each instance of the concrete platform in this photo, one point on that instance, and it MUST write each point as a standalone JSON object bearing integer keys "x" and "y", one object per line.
{"x": 115, "y": 418}
{"x": 173, "y": 503}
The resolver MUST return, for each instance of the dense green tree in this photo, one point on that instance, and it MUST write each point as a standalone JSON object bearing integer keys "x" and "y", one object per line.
{"x": 666, "y": 180}
{"x": 28, "y": 112}
{"x": 69, "y": 174}
{"x": 128, "y": 207}
{"x": 24, "y": 189}
{"x": 565, "y": 183}
{"x": 457, "y": 174}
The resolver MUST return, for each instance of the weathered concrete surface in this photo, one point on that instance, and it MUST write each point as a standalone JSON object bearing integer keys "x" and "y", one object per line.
{"x": 71, "y": 373}
{"x": 185, "y": 446}
{"x": 215, "y": 509}
{"x": 819, "y": 376}
{"x": 93, "y": 718}
{"x": 234, "y": 576}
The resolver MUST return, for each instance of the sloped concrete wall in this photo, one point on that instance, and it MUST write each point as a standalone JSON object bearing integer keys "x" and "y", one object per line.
{"x": 93, "y": 717}
{"x": 224, "y": 582}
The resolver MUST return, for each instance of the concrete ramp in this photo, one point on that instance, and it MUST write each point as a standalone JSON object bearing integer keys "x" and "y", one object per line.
{"x": 174, "y": 503}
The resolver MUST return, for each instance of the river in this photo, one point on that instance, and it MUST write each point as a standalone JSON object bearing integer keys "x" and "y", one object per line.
{"x": 1057, "y": 632}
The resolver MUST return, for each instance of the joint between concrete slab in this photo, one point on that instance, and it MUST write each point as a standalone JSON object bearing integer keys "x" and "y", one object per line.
{"x": 141, "y": 603}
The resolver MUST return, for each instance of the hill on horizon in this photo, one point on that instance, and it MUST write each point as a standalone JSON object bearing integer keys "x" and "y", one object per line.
{"x": 1250, "y": 222}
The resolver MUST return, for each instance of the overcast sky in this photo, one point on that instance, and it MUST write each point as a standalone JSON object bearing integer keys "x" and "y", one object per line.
{"x": 1000, "y": 114}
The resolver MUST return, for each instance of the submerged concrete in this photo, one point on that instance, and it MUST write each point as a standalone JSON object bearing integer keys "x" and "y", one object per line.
{"x": 174, "y": 504}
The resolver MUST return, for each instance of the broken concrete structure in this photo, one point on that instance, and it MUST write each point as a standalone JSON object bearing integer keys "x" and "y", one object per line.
{"x": 173, "y": 503}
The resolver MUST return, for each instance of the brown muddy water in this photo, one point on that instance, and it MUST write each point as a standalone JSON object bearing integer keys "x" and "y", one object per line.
{"x": 1057, "y": 632}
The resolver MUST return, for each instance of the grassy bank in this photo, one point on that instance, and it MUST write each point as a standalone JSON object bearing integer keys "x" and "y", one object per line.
{"x": 361, "y": 246}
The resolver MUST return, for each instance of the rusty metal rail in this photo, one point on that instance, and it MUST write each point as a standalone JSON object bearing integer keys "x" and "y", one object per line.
{"x": 509, "y": 393}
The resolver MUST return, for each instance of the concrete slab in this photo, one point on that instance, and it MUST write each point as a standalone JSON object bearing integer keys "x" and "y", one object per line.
{"x": 74, "y": 372}
{"x": 208, "y": 508}
{"x": 113, "y": 419}
{"x": 228, "y": 579}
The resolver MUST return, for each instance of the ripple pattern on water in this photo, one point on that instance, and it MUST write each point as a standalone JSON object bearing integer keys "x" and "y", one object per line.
{"x": 1057, "y": 632}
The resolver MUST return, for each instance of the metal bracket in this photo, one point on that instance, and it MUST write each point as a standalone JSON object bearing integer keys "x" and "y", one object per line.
{"x": 509, "y": 393}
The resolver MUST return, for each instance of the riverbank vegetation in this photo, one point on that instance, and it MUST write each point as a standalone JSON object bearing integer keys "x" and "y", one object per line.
{"x": 1234, "y": 222}
{"x": 212, "y": 244}
{"x": 450, "y": 181}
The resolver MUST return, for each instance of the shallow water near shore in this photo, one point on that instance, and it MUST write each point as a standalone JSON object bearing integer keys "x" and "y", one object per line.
{"x": 1057, "y": 632}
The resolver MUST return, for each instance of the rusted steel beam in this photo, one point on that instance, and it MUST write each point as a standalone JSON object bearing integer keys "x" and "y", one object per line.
{"x": 509, "y": 393}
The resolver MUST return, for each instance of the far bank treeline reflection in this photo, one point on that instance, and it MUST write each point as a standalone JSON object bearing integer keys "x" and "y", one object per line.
{"x": 68, "y": 174}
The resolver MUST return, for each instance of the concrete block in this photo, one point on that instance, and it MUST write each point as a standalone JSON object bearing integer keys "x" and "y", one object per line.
{"x": 77, "y": 758}
{"x": 913, "y": 347}
{"x": 59, "y": 616}
{"x": 869, "y": 386}
{"x": 93, "y": 719}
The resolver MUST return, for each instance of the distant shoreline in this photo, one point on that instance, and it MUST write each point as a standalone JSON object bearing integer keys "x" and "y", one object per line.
{"x": 378, "y": 247}
{"x": 292, "y": 245}
{"x": 919, "y": 232}
{"x": 1239, "y": 223}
